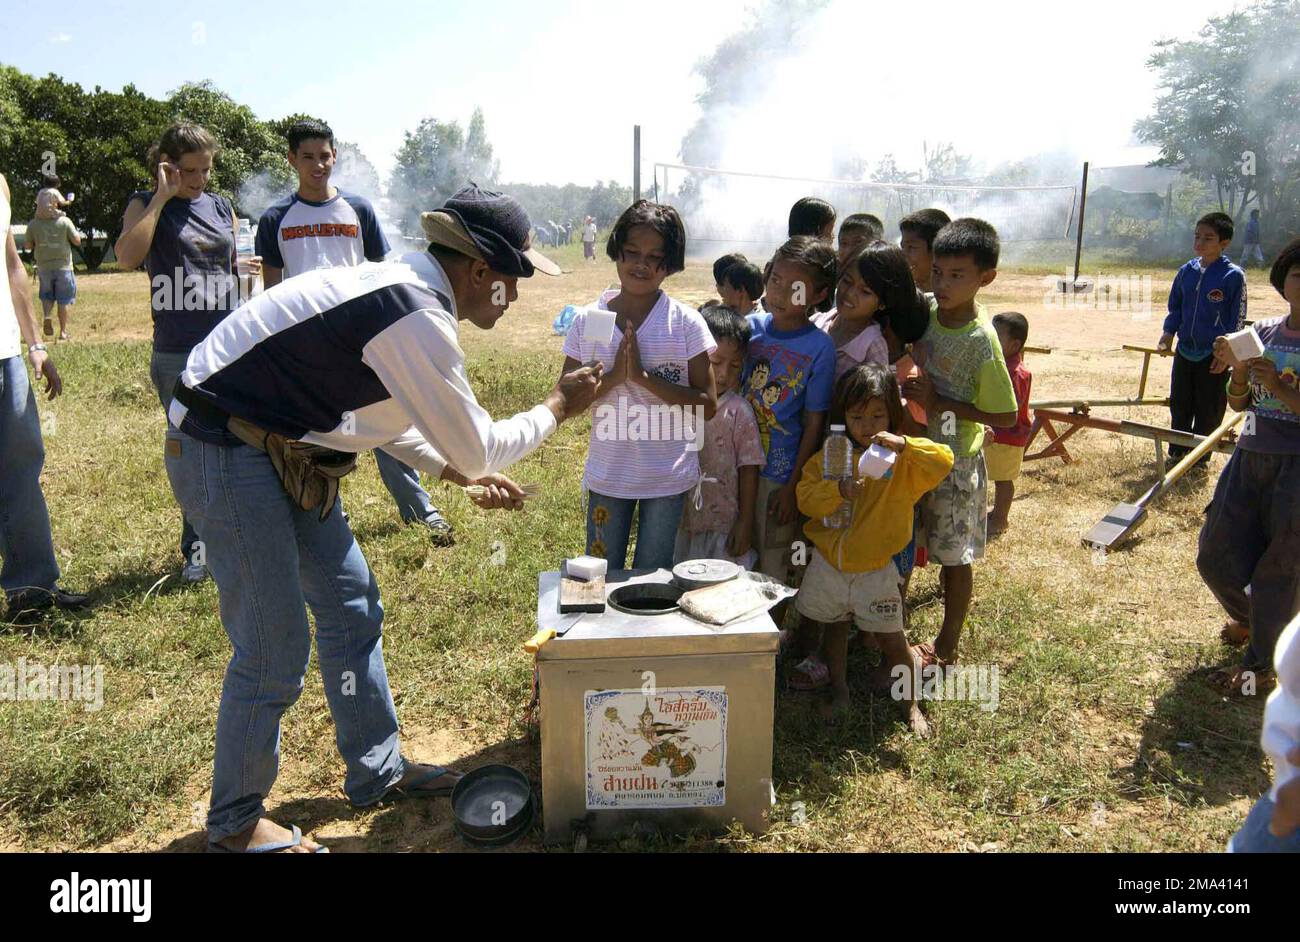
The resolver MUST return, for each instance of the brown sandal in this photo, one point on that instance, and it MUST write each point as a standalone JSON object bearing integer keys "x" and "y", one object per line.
{"x": 1234, "y": 633}
{"x": 1228, "y": 681}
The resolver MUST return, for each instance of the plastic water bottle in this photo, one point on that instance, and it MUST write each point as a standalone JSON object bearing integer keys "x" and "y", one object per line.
{"x": 837, "y": 465}
{"x": 244, "y": 250}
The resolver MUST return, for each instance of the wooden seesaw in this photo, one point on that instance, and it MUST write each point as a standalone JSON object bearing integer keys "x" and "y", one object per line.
{"x": 1047, "y": 416}
{"x": 1124, "y": 518}
{"x": 1118, "y": 525}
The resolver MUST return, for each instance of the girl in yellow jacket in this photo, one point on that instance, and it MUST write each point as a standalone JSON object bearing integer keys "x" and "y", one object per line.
{"x": 852, "y": 571}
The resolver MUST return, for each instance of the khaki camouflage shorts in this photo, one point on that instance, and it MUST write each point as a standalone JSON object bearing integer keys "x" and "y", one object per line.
{"x": 954, "y": 514}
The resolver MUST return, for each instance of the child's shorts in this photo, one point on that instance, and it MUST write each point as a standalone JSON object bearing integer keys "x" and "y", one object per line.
{"x": 956, "y": 513}
{"x": 709, "y": 546}
{"x": 773, "y": 541}
{"x": 872, "y": 598}
{"x": 59, "y": 286}
{"x": 1003, "y": 461}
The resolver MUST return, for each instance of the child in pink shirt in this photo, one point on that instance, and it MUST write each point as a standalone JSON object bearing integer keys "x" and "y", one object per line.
{"x": 655, "y": 394}
{"x": 873, "y": 282}
{"x": 718, "y": 519}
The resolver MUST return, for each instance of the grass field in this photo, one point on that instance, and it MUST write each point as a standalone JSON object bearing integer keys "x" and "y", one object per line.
{"x": 1106, "y": 737}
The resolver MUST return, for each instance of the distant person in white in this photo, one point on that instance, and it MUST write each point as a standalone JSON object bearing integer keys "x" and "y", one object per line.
{"x": 320, "y": 226}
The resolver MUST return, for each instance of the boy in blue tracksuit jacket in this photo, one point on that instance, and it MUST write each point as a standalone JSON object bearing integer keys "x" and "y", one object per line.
{"x": 1207, "y": 300}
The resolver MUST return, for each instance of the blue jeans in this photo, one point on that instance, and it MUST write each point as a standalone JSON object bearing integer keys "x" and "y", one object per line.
{"x": 26, "y": 546}
{"x": 609, "y": 525}
{"x": 271, "y": 561}
{"x": 164, "y": 368}
{"x": 403, "y": 482}
{"x": 1255, "y": 837}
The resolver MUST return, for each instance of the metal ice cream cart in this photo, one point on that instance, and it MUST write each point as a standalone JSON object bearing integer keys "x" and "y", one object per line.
{"x": 652, "y": 721}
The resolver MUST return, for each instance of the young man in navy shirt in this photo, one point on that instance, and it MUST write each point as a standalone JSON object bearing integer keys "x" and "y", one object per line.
{"x": 321, "y": 226}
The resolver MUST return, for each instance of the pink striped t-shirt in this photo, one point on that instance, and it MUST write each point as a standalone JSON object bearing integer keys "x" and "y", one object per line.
{"x": 867, "y": 346}
{"x": 639, "y": 444}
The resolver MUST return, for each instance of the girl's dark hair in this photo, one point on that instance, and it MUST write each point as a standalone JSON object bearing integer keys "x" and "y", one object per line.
{"x": 178, "y": 140}
{"x": 660, "y": 217}
{"x": 818, "y": 257}
{"x": 746, "y": 277}
{"x": 809, "y": 216}
{"x": 861, "y": 384}
{"x": 50, "y": 180}
{"x": 884, "y": 268}
{"x": 726, "y": 324}
{"x": 1289, "y": 256}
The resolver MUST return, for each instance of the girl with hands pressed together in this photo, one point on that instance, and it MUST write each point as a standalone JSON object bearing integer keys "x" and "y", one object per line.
{"x": 643, "y": 458}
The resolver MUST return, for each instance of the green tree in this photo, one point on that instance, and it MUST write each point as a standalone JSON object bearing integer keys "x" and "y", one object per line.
{"x": 95, "y": 141}
{"x": 434, "y": 161}
{"x": 1229, "y": 110}
{"x": 249, "y": 146}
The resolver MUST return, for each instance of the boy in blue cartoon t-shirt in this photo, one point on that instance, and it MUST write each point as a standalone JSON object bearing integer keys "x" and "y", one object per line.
{"x": 789, "y": 375}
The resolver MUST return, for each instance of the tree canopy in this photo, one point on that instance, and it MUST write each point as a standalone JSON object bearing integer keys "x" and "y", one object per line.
{"x": 1229, "y": 110}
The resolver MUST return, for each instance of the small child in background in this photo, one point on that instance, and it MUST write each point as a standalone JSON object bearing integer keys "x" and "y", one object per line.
{"x": 658, "y": 356}
{"x": 741, "y": 287}
{"x": 721, "y": 265}
{"x": 718, "y": 522}
{"x": 856, "y": 231}
{"x": 1005, "y": 453}
{"x": 50, "y": 202}
{"x": 811, "y": 216}
{"x": 917, "y": 231}
{"x": 852, "y": 572}
{"x": 964, "y": 385}
{"x": 1207, "y": 300}
{"x": 872, "y": 282}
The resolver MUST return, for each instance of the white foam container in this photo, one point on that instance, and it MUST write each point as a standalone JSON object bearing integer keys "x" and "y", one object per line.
{"x": 600, "y": 325}
{"x": 585, "y": 567}
{"x": 1245, "y": 344}
{"x": 876, "y": 461}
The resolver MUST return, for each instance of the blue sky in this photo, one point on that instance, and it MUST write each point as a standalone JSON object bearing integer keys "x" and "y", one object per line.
{"x": 562, "y": 83}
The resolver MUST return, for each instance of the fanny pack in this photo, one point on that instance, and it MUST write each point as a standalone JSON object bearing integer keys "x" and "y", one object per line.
{"x": 309, "y": 474}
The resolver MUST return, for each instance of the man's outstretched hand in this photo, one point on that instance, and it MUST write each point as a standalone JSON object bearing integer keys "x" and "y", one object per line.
{"x": 575, "y": 391}
{"x": 499, "y": 493}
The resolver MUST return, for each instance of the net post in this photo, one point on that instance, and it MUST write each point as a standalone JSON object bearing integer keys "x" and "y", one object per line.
{"x": 636, "y": 162}
{"x": 1078, "y": 242}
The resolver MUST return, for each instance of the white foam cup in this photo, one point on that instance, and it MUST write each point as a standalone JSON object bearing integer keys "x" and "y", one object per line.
{"x": 1245, "y": 344}
{"x": 600, "y": 325}
{"x": 876, "y": 461}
